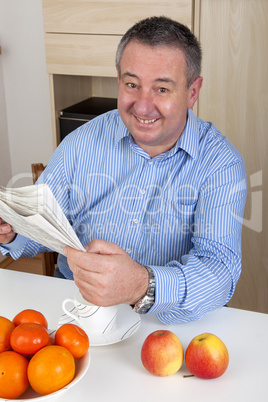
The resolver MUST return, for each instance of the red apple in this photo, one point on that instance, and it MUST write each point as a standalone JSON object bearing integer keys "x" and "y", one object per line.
{"x": 162, "y": 353}
{"x": 206, "y": 356}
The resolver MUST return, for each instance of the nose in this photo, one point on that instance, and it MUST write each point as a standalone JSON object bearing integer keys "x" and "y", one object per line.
{"x": 144, "y": 104}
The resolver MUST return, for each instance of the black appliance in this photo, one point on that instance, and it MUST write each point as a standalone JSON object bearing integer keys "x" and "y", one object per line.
{"x": 76, "y": 115}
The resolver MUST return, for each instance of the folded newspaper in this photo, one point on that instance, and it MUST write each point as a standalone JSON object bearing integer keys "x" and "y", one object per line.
{"x": 34, "y": 212}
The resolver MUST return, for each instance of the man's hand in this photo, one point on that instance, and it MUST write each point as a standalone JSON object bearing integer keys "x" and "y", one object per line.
{"x": 106, "y": 275}
{"x": 7, "y": 234}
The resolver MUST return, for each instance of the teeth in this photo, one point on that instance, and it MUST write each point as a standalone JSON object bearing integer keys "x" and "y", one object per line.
{"x": 146, "y": 121}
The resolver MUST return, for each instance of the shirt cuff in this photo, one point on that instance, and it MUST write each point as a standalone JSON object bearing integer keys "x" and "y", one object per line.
{"x": 15, "y": 247}
{"x": 169, "y": 288}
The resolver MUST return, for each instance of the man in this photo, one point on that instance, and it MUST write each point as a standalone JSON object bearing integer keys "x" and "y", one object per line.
{"x": 155, "y": 194}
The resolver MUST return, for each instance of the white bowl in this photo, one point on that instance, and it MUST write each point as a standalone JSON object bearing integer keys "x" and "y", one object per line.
{"x": 81, "y": 367}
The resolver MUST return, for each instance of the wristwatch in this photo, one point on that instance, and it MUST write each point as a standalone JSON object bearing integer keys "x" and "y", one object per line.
{"x": 143, "y": 305}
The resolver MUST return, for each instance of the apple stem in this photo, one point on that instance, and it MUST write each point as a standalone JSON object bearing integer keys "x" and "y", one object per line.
{"x": 188, "y": 375}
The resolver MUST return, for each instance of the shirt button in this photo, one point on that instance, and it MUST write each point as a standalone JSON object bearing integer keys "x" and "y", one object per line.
{"x": 142, "y": 191}
{"x": 150, "y": 162}
{"x": 135, "y": 220}
{"x": 128, "y": 250}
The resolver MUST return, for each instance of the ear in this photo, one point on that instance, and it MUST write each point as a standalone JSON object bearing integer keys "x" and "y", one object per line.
{"x": 194, "y": 91}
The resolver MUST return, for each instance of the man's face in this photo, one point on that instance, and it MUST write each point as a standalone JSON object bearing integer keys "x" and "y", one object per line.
{"x": 153, "y": 97}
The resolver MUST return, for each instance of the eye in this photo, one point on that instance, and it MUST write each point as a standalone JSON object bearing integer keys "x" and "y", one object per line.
{"x": 131, "y": 85}
{"x": 162, "y": 90}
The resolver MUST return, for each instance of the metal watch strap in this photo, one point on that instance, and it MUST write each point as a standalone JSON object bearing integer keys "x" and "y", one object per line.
{"x": 143, "y": 305}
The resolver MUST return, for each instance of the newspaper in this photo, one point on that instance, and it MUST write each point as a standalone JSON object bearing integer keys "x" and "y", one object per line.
{"x": 34, "y": 212}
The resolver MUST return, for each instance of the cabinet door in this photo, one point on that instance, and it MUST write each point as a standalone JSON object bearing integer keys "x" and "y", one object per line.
{"x": 110, "y": 17}
{"x": 234, "y": 37}
{"x": 91, "y": 55}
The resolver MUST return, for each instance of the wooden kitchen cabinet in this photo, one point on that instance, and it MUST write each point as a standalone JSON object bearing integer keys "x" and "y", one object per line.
{"x": 234, "y": 96}
{"x": 109, "y": 17}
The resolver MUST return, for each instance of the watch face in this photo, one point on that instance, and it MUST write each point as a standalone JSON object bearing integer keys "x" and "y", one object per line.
{"x": 143, "y": 305}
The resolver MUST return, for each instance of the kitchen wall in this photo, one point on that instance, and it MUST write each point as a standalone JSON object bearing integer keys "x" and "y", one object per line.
{"x": 25, "y": 122}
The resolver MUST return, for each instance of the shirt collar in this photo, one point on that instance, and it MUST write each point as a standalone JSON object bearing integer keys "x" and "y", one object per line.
{"x": 188, "y": 140}
{"x": 121, "y": 131}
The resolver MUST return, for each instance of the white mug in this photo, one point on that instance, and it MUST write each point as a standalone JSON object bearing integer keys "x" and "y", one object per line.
{"x": 92, "y": 318}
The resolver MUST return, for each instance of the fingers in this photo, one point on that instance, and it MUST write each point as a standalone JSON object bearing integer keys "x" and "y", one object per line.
{"x": 96, "y": 259}
{"x": 6, "y": 233}
{"x": 109, "y": 276}
{"x": 86, "y": 279}
{"x": 80, "y": 259}
{"x": 103, "y": 247}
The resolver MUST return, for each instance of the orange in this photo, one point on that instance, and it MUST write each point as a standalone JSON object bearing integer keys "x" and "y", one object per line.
{"x": 50, "y": 369}
{"x": 6, "y": 327}
{"x": 72, "y": 338}
{"x": 13, "y": 378}
{"x": 30, "y": 315}
{"x": 28, "y": 338}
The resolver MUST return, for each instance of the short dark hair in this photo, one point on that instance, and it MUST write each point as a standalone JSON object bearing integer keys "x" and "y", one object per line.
{"x": 163, "y": 31}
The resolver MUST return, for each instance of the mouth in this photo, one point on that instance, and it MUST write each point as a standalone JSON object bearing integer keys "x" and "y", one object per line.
{"x": 145, "y": 121}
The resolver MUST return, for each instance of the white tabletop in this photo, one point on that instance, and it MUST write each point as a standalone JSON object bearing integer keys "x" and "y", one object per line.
{"x": 116, "y": 372}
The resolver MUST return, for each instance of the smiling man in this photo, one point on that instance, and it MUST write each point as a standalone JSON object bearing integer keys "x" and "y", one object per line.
{"x": 155, "y": 194}
{"x": 153, "y": 96}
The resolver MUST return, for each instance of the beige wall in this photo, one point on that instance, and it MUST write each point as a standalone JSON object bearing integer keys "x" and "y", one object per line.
{"x": 25, "y": 121}
{"x": 5, "y": 163}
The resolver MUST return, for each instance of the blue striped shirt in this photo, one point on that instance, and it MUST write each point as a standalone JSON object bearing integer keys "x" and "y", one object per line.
{"x": 179, "y": 213}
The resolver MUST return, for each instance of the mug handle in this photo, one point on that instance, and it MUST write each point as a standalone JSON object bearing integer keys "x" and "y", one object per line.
{"x": 68, "y": 312}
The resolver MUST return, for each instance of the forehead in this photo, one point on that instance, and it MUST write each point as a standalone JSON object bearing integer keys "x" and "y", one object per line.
{"x": 138, "y": 58}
